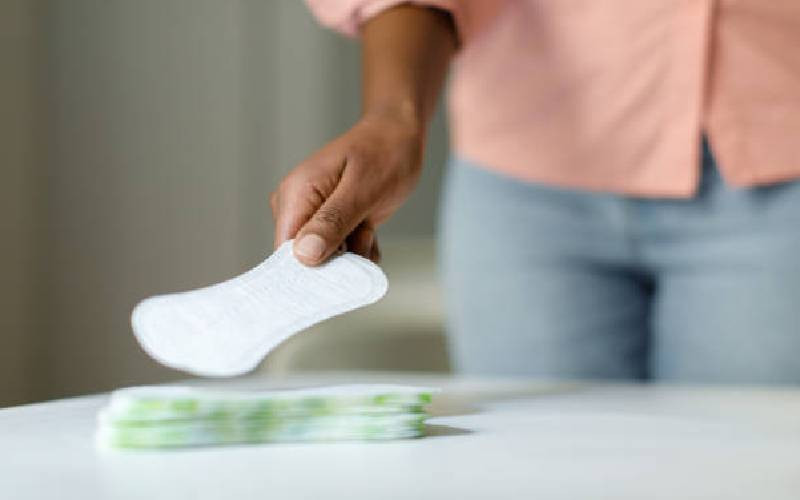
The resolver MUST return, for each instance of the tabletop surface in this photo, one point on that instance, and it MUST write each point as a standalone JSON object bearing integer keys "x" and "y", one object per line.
{"x": 488, "y": 439}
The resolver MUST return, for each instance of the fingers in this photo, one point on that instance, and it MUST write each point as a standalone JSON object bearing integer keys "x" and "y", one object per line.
{"x": 364, "y": 242}
{"x": 375, "y": 252}
{"x": 361, "y": 240}
{"x": 274, "y": 205}
{"x": 300, "y": 195}
{"x": 327, "y": 229}
{"x": 290, "y": 212}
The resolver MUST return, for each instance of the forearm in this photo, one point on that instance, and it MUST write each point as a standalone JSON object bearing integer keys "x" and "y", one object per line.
{"x": 344, "y": 191}
{"x": 406, "y": 52}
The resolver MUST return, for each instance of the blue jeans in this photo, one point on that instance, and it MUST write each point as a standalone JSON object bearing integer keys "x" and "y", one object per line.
{"x": 553, "y": 282}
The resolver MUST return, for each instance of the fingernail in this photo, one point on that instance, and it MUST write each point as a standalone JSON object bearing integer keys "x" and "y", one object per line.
{"x": 310, "y": 247}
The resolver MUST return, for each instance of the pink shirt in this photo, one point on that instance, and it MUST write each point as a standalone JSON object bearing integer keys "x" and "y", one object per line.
{"x": 613, "y": 95}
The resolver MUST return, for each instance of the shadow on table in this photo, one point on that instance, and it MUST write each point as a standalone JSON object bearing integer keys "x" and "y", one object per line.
{"x": 470, "y": 399}
{"x": 437, "y": 430}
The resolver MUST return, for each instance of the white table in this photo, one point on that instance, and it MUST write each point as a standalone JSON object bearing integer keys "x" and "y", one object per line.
{"x": 494, "y": 439}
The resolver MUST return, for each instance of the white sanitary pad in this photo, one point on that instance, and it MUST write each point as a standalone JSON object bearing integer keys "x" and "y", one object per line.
{"x": 228, "y": 328}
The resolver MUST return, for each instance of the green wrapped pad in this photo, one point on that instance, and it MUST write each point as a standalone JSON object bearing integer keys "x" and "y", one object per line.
{"x": 173, "y": 416}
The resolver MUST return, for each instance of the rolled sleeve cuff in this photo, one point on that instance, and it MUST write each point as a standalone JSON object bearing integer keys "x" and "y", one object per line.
{"x": 347, "y": 16}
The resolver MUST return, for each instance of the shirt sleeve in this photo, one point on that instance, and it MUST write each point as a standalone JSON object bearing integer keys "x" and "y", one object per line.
{"x": 347, "y": 16}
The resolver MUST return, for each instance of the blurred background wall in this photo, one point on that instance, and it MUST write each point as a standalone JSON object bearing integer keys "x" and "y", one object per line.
{"x": 20, "y": 248}
{"x": 140, "y": 140}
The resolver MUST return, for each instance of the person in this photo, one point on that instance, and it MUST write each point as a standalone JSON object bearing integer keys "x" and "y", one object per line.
{"x": 622, "y": 201}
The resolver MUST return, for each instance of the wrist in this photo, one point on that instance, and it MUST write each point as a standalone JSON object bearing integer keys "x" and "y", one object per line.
{"x": 403, "y": 113}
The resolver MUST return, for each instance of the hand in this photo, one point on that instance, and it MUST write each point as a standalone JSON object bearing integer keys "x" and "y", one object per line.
{"x": 344, "y": 191}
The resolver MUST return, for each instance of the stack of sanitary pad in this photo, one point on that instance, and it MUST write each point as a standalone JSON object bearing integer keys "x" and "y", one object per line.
{"x": 164, "y": 416}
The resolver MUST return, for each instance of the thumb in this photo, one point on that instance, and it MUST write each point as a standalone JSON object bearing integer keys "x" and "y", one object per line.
{"x": 327, "y": 229}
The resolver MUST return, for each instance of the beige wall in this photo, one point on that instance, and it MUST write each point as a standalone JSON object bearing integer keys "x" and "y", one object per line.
{"x": 18, "y": 197}
{"x": 140, "y": 141}
{"x": 143, "y": 173}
